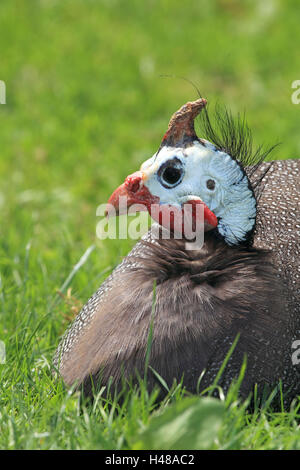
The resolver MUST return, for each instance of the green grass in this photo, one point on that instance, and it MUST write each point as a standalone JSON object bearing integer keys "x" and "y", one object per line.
{"x": 85, "y": 106}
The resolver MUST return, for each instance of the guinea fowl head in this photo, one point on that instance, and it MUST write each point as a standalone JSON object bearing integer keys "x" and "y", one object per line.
{"x": 191, "y": 171}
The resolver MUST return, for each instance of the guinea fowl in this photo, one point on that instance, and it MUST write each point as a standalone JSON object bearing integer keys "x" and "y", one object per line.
{"x": 240, "y": 288}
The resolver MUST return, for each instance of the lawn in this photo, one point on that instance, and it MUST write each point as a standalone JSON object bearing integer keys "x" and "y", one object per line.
{"x": 85, "y": 106}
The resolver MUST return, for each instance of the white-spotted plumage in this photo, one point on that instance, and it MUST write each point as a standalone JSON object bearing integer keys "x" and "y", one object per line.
{"x": 212, "y": 294}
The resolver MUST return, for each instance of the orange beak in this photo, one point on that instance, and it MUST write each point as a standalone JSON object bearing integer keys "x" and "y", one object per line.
{"x": 132, "y": 191}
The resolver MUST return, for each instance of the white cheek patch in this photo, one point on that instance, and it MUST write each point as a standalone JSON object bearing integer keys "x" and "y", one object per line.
{"x": 235, "y": 204}
{"x": 166, "y": 195}
{"x": 232, "y": 201}
{"x": 147, "y": 163}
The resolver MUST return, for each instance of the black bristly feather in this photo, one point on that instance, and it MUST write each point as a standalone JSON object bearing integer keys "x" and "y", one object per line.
{"x": 233, "y": 136}
{"x": 230, "y": 135}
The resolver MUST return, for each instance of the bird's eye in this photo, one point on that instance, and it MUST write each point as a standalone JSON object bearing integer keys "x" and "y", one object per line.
{"x": 171, "y": 173}
{"x": 210, "y": 184}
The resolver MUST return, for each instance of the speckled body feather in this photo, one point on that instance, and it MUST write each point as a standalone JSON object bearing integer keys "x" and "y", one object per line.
{"x": 203, "y": 299}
